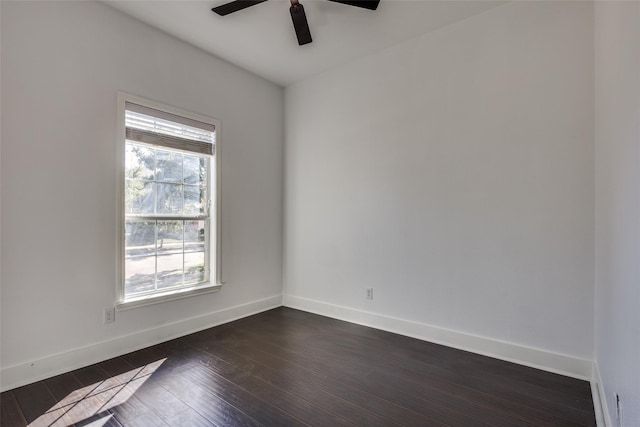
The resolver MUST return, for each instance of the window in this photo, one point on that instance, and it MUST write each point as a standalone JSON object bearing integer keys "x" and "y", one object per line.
{"x": 169, "y": 223}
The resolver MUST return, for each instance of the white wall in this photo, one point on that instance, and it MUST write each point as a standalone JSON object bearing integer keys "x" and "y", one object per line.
{"x": 453, "y": 173}
{"x": 62, "y": 63}
{"x": 617, "y": 147}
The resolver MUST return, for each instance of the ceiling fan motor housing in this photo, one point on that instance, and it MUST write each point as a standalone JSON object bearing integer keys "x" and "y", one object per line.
{"x": 299, "y": 18}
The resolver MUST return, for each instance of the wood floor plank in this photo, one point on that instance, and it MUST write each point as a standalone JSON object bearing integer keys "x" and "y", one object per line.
{"x": 158, "y": 400}
{"x": 146, "y": 420}
{"x": 378, "y": 392}
{"x": 66, "y": 389}
{"x": 305, "y": 353}
{"x": 103, "y": 419}
{"x": 518, "y": 410}
{"x": 442, "y": 356}
{"x": 301, "y": 400}
{"x": 243, "y": 400}
{"x": 163, "y": 359}
{"x": 452, "y": 360}
{"x": 91, "y": 375}
{"x": 286, "y": 367}
{"x": 319, "y": 391}
{"x": 10, "y": 413}
{"x": 126, "y": 406}
{"x": 74, "y": 404}
{"x": 93, "y": 406}
{"x": 244, "y": 376}
{"x": 210, "y": 406}
{"x": 36, "y": 402}
{"x": 189, "y": 418}
{"x": 285, "y": 359}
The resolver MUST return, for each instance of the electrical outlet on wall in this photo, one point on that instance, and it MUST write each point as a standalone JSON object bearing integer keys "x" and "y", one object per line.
{"x": 109, "y": 315}
{"x": 369, "y": 293}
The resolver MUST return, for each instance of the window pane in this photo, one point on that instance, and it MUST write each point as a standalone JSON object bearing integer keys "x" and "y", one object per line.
{"x": 194, "y": 236}
{"x": 139, "y": 274}
{"x": 194, "y": 267}
{"x": 194, "y": 247}
{"x": 193, "y": 169}
{"x": 170, "y": 270}
{"x": 140, "y": 162}
{"x": 169, "y": 199}
{"x": 169, "y": 237}
{"x": 140, "y": 239}
{"x": 139, "y": 196}
{"x": 168, "y": 166}
{"x": 194, "y": 198}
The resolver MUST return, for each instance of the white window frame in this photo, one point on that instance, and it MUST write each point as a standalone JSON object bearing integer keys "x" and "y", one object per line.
{"x": 214, "y": 242}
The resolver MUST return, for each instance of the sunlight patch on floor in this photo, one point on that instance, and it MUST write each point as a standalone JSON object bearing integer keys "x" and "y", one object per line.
{"x": 95, "y": 400}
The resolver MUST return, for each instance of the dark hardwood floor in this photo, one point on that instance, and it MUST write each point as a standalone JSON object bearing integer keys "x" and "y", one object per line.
{"x": 290, "y": 368}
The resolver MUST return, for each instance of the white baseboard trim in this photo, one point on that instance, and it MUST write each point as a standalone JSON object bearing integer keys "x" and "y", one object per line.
{"x": 527, "y": 356}
{"x": 599, "y": 399}
{"x": 36, "y": 370}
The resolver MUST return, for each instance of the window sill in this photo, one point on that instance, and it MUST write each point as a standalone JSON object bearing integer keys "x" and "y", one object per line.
{"x": 131, "y": 303}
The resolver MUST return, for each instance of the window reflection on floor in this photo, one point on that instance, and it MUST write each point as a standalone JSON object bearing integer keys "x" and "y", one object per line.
{"x": 89, "y": 405}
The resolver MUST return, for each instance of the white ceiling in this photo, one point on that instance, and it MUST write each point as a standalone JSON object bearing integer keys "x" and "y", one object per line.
{"x": 261, "y": 38}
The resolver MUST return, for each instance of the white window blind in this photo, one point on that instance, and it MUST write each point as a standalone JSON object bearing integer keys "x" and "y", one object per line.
{"x": 151, "y": 126}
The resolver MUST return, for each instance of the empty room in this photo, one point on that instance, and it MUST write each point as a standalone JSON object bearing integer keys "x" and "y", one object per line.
{"x": 319, "y": 213}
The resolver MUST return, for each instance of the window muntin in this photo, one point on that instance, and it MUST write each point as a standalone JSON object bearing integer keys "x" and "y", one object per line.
{"x": 169, "y": 181}
{"x": 161, "y": 181}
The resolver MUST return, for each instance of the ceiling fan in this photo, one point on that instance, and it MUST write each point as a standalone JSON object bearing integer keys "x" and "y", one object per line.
{"x": 297, "y": 13}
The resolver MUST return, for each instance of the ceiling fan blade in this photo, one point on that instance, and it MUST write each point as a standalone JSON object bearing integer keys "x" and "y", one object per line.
{"x": 366, "y": 4}
{"x": 235, "y": 6}
{"x": 300, "y": 23}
